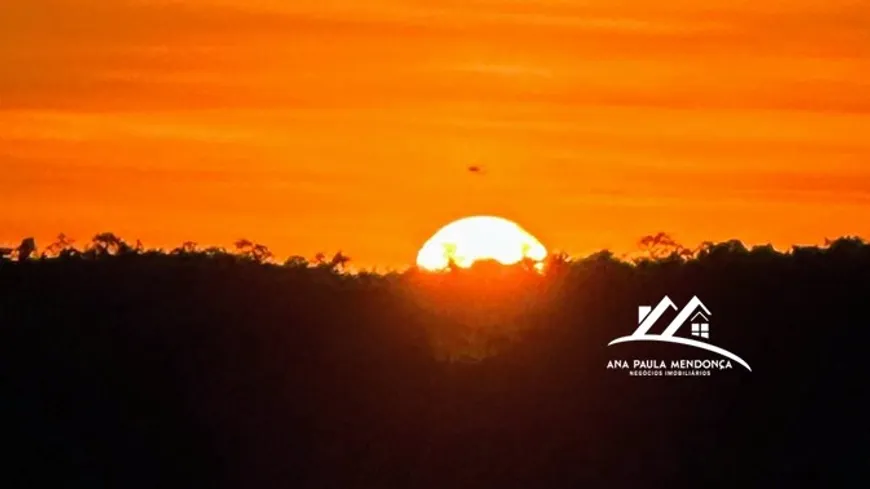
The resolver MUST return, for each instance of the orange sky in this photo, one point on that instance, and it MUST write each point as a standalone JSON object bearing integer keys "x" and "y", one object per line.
{"x": 347, "y": 124}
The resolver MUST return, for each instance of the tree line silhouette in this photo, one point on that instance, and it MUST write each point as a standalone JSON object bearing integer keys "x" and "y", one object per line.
{"x": 108, "y": 244}
{"x": 126, "y": 367}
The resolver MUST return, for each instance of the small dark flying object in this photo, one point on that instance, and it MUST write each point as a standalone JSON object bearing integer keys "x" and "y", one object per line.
{"x": 474, "y": 169}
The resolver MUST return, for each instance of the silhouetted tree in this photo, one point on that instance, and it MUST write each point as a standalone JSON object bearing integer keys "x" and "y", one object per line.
{"x": 26, "y": 249}
{"x": 105, "y": 244}
{"x": 213, "y": 251}
{"x": 296, "y": 261}
{"x": 339, "y": 261}
{"x": 62, "y": 246}
{"x": 253, "y": 251}
{"x": 661, "y": 245}
{"x": 186, "y": 248}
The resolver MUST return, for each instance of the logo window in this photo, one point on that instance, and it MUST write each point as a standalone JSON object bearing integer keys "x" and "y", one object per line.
{"x": 700, "y": 325}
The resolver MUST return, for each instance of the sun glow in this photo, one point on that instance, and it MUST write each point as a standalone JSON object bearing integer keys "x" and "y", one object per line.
{"x": 479, "y": 238}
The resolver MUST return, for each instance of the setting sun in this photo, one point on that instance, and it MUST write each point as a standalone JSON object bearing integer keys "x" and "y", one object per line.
{"x": 479, "y": 238}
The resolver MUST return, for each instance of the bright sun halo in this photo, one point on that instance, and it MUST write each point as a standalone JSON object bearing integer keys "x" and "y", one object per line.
{"x": 479, "y": 238}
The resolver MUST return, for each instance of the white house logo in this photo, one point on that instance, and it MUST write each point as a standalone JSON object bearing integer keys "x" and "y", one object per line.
{"x": 697, "y": 314}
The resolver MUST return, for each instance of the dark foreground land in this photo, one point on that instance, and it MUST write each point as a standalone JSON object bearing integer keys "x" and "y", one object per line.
{"x": 132, "y": 369}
